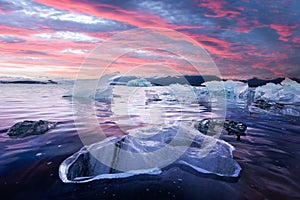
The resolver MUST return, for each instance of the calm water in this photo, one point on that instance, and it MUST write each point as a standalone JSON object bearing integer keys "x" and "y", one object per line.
{"x": 269, "y": 155}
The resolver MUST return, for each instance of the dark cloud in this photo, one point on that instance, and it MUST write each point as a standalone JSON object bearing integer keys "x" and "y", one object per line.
{"x": 11, "y": 39}
{"x": 33, "y": 52}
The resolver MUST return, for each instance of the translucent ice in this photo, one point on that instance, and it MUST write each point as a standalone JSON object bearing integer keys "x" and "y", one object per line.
{"x": 139, "y": 83}
{"x": 188, "y": 94}
{"x": 136, "y": 153}
{"x": 95, "y": 89}
{"x": 287, "y": 92}
{"x": 281, "y": 99}
{"x": 230, "y": 88}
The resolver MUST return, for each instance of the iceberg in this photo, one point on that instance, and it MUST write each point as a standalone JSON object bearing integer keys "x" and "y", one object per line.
{"x": 287, "y": 92}
{"x": 100, "y": 90}
{"x": 188, "y": 94}
{"x": 139, "y": 83}
{"x": 150, "y": 150}
{"x": 233, "y": 89}
{"x": 28, "y": 128}
{"x": 281, "y": 99}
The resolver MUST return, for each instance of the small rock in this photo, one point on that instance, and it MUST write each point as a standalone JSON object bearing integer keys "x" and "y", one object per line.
{"x": 206, "y": 126}
{"x": 27, "y": 128}
{"x": 267, "y": 105}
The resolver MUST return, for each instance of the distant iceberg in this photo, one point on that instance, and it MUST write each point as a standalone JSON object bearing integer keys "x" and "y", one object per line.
{"x": 139, "y": 83}
{"x": 130, "y": 153}
{"x": 230, "y": 88}
{"x": 287, "y": 92}
{"x": 189, "y": 94}
{"x": 280, "y": 99}
{"x": 98, "y": 89}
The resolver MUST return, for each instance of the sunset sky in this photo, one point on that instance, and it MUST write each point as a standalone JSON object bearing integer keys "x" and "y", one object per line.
{"x": 245, "y": 38}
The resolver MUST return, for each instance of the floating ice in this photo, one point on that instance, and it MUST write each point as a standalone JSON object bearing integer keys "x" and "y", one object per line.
{"x": 233, "y": 89}
{"x": 188, "y": 94}
{"x": 287, "y": 92}
{"x": 94, "y": 89}
{"x": 281, "y": 99}
{"x": 139, "y": 83}
{"x": 130, "y": 152}
{"x": 230, "y": 88}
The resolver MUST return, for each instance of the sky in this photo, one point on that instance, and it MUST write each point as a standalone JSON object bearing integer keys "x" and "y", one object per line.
{"x": 245, "y": 38}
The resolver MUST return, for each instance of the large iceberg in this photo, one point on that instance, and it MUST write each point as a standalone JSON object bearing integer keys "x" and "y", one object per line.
{"x": 139, "y": 83}
{"x": 287, "y": 92}
{"x": 281, "y": 99}
{"x": 150, "y": 150}
{"x": 230, "y": 88}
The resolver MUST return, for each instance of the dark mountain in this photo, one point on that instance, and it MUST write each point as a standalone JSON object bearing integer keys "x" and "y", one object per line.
{"x": 195, "y": 80}
{"x": 28, "y": 82}
{"x": 162, "y": 81}
{"x": 255, "y": 82}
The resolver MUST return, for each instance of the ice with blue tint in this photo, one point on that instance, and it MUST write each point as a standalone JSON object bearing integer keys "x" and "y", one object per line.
{"x": 93, "y": 88}
{"x": 287, "y": 92}
{"x": 183, "y": 93}
{"x": 141, "y": 82}
{"x": 235, "y": 89}
{"x": 279, "y": 99}
{"x": 215, "y": 159}
{"x": 232, "y": 89}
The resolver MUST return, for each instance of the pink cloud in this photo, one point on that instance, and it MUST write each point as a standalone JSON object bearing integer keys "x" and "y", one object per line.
{"x": 218, "y": 7}
{"x": 109, "y": 12}
{"x": 284, "y": 31}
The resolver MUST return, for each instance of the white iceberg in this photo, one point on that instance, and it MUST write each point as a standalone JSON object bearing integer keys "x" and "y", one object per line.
{"x": 188, "y": 94}
{"x": 230, "y": 88}
{"x": 137, "y": 153}
{"x": 279, "y": 99}
{"x": 139, "y": 83}
{"x": 287, "y": 92}
{"x": 98, "y": 89}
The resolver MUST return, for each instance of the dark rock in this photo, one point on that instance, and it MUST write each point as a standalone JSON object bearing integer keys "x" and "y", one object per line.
{"x": 208, "y": 126}
{"x": 237, "y": 128}
{"x": 265, "y": 105}
{"x": 27, "y": 128}
{"x": 66, "y": 96}
{"x": 153, "y": 97}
